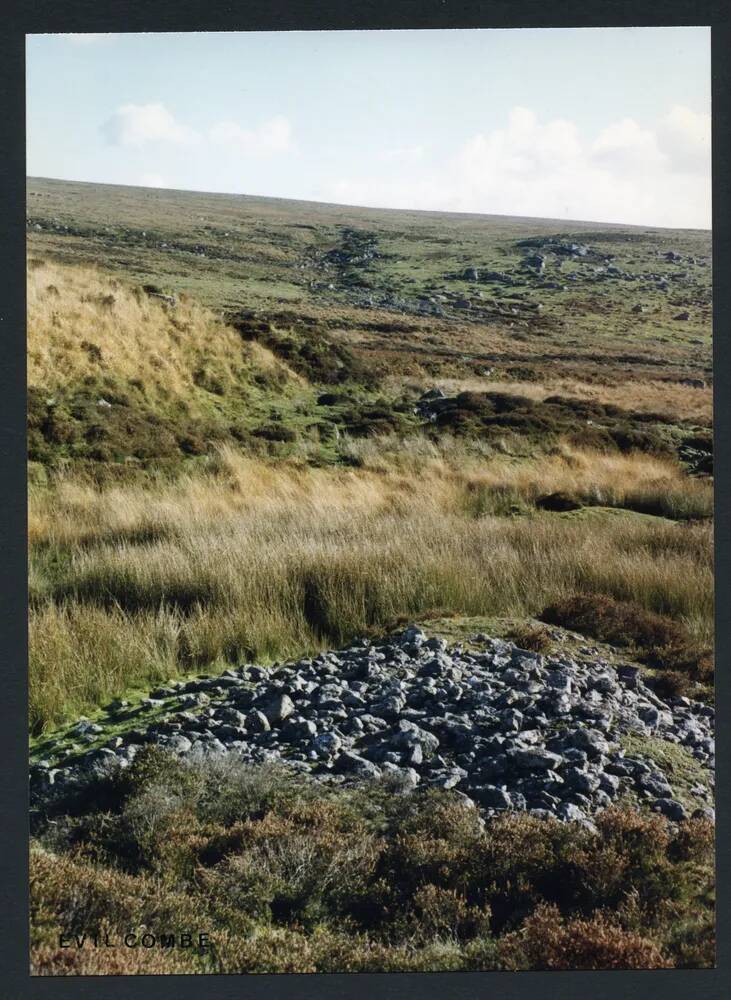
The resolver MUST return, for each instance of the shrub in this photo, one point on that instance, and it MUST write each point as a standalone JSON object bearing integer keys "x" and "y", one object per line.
{"x": 532, "y": 637}
{"x": 444, "y": 913}
{"x": 332, "y": 398}
{"x": 558, "y": 501}
{"x": 672, "y": 684}
{"x": 546, "y": 941}
{"x": 155, "y": 767}
{"x": 656, "y": 639}
{"x": 415, "y": 881}
{"x": 275, "y": 432}
{"x": 619, "y": 622}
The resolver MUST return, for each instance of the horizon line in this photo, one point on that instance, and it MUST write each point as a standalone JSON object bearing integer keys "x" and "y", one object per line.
{"x": 372, "y": 208}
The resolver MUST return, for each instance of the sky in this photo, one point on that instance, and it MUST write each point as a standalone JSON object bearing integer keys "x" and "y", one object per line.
{"x": 599, "y": 124}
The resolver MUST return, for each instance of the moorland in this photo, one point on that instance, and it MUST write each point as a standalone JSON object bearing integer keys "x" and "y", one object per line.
{"x": 260, "y": 430}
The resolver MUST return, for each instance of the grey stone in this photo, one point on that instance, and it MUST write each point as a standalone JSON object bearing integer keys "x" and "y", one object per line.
{"x": 294, "y": 730}
{"x": 570, "y": 812}
{"x": 671, "y": 808}
{"x": 494, "y": 798}
{"x": 351, "y": 763}
{"x": 559, "y": 679}
{"x": 589, "y": 740}
{"x": 410, "y": 735}
{"x": 177, "y": 743}
{"x": 257, "y": 722}
{"x": 491, "y": 721}
{"x": 580, "y": 781}
{"x": 533, "y": 759}
{"x": 389, "y": 708}
{"x": 655, "y": 785}
{"x": 278, "y": 708}
{"x": 704, "y": 812}
{"x": 327, "y": 743}
{"x": 609, "y": 782}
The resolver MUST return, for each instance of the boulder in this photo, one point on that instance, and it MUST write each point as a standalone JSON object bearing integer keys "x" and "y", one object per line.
{"x": 277, "y": 709}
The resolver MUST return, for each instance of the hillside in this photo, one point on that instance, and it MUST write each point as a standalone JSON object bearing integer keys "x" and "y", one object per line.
{"x": 120, "y": 373}
{"x": 371, "y": 586}
{"x": 415, "y": 292}
{"x": 383, "y": 306}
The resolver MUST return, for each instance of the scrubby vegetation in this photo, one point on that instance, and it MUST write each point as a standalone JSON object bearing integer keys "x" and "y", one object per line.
{"x": 288, "y": 876}
{"x": 658, "y": 640}
{"x": 593, "y": 425}
{"x": 231, "y": 460}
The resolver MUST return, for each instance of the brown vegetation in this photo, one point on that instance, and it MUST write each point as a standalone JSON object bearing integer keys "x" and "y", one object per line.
{"x": 656, "y": 639}
{"x": 676, "y": 401}
{"x": 287, "y": 876}
{"x": 256, "y": 560}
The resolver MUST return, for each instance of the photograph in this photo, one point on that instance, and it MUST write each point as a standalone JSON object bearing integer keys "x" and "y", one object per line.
{"x": 370, "y": 501}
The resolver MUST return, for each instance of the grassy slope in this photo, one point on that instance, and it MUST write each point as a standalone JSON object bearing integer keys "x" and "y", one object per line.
{"x": 118, "y": 375}
{"x": 216, "y": 511}
{"x": 126, "y": 387}
{"x": 270, "y": 256}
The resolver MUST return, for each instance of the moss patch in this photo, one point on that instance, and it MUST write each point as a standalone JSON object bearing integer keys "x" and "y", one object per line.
{"x": 681, "y": 767}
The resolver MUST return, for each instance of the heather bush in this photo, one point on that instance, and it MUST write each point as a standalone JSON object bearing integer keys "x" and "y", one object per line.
{"x": 656, "y": 639}
{"x": 351, "y": 878}
{"x": 546, "y": 941}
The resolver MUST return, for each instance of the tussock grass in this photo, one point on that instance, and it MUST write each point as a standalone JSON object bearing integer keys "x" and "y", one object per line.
{"x": 83, "y": 323}
{"x": 81, "y": 656}
{"x": 255, "y": 560}
{"x": 642, "y": 482}
{"x": 678, "y": 401}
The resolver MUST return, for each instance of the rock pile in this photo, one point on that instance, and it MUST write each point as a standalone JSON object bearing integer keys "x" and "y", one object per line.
{"x": 503, "y": 727}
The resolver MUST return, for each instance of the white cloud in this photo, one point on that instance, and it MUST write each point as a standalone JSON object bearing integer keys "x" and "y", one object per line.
{"x": 139, "y": 124}
{"x": 626, "y": 146}
{"x": 626, "y": 173}
{"x": 273, "y": 136}
{"x": 685, "y": 137}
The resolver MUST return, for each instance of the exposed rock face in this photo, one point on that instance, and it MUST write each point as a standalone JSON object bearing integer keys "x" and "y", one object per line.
{"x": 507, "y": 728}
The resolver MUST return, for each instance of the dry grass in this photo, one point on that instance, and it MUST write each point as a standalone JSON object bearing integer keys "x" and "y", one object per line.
{"x": 393, "y": 476}
{"x": 257, "y": 560}
{"x": 84, "y": 323}
{"x": 637, "y": 481}
{"x": 680, "y": 402}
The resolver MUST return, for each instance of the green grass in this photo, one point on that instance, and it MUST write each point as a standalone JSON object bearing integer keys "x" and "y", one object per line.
{"x": 681, "y": 767}
{"x": 270, "y": 257}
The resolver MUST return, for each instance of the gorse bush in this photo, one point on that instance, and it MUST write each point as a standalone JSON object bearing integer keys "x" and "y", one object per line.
{"x": 417, "y": 880}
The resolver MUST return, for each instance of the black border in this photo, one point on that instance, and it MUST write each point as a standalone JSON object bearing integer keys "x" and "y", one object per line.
{"x": 37, "y": 16}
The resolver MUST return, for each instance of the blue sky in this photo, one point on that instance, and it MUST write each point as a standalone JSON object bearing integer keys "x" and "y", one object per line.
{"x": 608, "y": 124}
